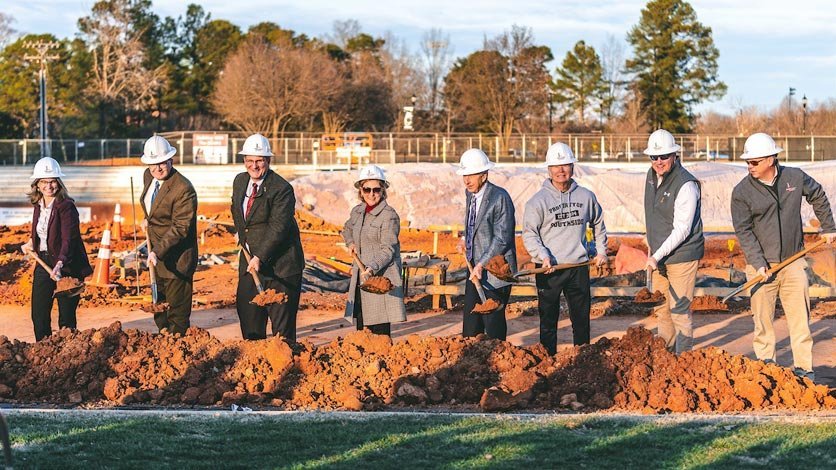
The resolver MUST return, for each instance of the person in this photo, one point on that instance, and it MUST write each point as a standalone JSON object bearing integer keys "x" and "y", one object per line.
{"x": 56, "y": 239}
{"x": 766, "y": 214}
{"x": 554, "y": 232}
{"x": 169, "y": 202}
{"x": 371, "y": 232}
{"x": 673, "y": 221}
{"x": 489, "y": 231}
{"x": 263, "y": 206}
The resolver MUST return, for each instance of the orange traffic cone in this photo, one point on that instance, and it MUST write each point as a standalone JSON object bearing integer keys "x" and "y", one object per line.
{"x": 101, "y": 275}
{"x": 116, "y": 232}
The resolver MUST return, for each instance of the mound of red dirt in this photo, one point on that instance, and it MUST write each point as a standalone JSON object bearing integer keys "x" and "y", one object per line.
{"x": 365, "y": 371}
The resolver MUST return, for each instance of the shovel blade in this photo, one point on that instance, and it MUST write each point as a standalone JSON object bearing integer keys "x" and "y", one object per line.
{"x": 155, "y": 295}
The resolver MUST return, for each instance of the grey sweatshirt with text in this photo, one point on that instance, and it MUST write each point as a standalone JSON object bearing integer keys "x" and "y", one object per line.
{"x": 554, "y": 224}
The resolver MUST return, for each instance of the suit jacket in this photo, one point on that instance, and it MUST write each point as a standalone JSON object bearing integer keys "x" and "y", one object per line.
{"x": 172, "y": 225}
{"x": 63, "y": 238}
{"x": 270, "y": 231}
{"x": 375, "y": 236}
{"x": 494, "y": 233}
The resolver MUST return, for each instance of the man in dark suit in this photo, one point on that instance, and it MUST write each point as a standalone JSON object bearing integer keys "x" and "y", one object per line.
{"x": 263, "y": 206}
{"x": 169, "y": 202}
{"x": 489, "y": 231}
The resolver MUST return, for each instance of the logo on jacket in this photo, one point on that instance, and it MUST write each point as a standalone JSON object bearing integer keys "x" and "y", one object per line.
{"x": 790, "y": 188}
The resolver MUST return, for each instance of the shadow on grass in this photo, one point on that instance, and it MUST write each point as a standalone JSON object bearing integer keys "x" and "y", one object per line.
{"x": 417, "y": 442}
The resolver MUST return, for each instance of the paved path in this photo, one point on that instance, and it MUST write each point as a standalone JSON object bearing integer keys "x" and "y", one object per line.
{"x": 730, "y": 332}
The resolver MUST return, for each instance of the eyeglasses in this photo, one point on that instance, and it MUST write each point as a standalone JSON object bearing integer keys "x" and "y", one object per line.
{"x": 661, "y": 157}
{"x": 755, "y": 162}
{"x": 260, "y": 161}
{"x": 376, "y": 190}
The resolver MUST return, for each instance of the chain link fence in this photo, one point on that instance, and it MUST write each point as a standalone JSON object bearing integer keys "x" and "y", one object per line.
{"x": 389, "y": 148}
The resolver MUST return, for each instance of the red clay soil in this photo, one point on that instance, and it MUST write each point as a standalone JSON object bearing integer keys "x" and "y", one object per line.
{"x": 498, "y": 266}
{"x": 645, "y": 297}
{"x": 110, "y": 366}
{"x": 487, "y": 306}
{"x": 708, "y": 303}
{"x": 269, "y": 297}
{"x": 377, "y": 285}
{"x": 154, "y": 308}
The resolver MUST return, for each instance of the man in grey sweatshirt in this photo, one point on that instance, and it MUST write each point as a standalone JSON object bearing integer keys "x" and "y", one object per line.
{"x": 554, "y": 233}
{"x": 766, "y": 207}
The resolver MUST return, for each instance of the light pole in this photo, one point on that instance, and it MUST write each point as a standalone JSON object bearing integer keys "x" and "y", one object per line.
{"x": 804, "y": 116}
{"x": 551, "y": 109}
{"x": 42, "y": 48}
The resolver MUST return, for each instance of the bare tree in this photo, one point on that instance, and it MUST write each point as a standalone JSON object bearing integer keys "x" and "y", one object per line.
{"x": 342, "y": 31}
{"x": 263, "y": 86}
{"x": 612, "y": 61}
{"x": 401, "y": 69}
{"x": 6, "y": 31}
{"x": 633, "y": 120}
{"x": 117, "y": 72}
{"x": 437, "y": 56}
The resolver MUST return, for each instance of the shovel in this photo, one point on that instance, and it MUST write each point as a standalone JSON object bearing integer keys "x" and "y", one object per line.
{"x": 152, "y": 273}
{"x": 769, "y": 272}
{"x": 62, "y": 289}
{"x": 257, "y": 279}
{"x": 649, "y": 285}
{"x": 485, "y": 305}
{"x": 264, "y": 297}
{"x": 374, "y": 284}
{"x": 556, "y": 267}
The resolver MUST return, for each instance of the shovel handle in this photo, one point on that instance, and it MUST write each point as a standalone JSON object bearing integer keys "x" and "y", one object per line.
{"x": 650, "y": 279}
{"x": 556, "y": 267}
{"x": 359, "y": 263}
{"x": 43, "y": 264}
{"x": 774, "y": 269}
{"x": 478, "y": 283}
{"x": 257, "y": 280}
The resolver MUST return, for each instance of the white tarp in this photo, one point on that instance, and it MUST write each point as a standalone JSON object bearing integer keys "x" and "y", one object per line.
{"x": 427, "y": 193}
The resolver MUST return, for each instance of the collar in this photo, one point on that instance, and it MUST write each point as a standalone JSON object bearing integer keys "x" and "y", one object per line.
{"x": 45, "y": 207}
{"x": 481, "y": 192}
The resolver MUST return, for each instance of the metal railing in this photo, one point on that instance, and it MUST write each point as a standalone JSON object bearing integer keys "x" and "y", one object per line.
{"x": 388, "y": 148}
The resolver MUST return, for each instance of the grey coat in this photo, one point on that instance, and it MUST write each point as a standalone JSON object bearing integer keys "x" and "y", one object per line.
{"x": 375, "y": 236}
{"x": 494, "y": 231}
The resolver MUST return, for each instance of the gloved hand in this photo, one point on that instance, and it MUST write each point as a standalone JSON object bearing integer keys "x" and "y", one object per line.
{"x": 27, "y": 247}
{"x": 600, "y": 259}
{"x": 651, "y": 263}
{"x": 476, "y": 276}
{"x": 56, "y": 270}
{"x": 254, "y": 265}
{"x": 829, "y": 237}
{"x": 762, "y": 272}
{"x": 152, "y": 259}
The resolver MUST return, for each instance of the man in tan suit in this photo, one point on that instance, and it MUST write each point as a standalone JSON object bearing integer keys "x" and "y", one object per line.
{"x": 170, "y": 205}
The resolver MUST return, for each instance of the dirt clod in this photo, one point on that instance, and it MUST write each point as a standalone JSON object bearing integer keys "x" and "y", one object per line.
{"x": 269, "y": 297}
{"x": 499, "y": 267}
{"x": 645, "y": 297}
{"x": 702, "y": 303}
{"x": 150, "y": 307}
{"x": 487, "y": 306}
{"x": 377, "y": 285}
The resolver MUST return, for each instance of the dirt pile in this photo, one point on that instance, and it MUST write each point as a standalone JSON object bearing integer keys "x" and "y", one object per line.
{"x": 498, "y": 266}
{"x": 645, "y": 297}
{"x": 708, "y": 303}
{"x": 269, "y": 297}
{"x": 487, "y": 306}
{"x": 365, "y": 371}
{"x": 377, "y": 285}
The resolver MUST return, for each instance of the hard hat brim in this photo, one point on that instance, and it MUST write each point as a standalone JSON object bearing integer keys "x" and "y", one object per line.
{"x": 256, "y": 154}
{"x": 155, "y": 160}
{"x": 359, "y": 182}
{"x": 475, "y": 171}
{"x": 664, "y": 151}
{"x": 772, "y": 153}
{"x": 42, "y": 176}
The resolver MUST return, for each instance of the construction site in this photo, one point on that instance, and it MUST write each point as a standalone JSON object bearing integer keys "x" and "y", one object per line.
{"x": 117, "y": 358}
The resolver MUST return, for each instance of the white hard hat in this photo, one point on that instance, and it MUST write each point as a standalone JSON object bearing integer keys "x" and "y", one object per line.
{"x": 256, "y": 145}
{"x": 157, "y": 150}
{"x": 371, "y": 172}
{"x": 559, "y": 154}
{"x": 47, "y": 167}
{"x": 758, "y": 146}
{"x": 661, "y": 142}
{"x": 474, "y": 161}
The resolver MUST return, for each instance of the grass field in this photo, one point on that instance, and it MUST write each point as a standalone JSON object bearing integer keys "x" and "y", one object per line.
{"x": 81, "y": 439}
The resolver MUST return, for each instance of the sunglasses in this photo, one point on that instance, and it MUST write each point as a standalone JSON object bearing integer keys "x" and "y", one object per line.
{"x": 660, "y": 157}
{"x": 755, "y": 162}
{"x": 376, "y": 190}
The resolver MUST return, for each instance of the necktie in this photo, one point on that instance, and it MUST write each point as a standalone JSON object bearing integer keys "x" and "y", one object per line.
{"x": 154, "y": 194}
{"x": 250, "y": 200}
{"x": 471, "y": 228}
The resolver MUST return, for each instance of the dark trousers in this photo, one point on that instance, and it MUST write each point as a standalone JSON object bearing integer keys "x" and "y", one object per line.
{"x": 43, "y": 287}
{"x": 492, "y": 324}
{"x": 379, "y": 329}
{"x": 253, "y": 318}
{"x": 178, "y": 293}
{"x": 574, "y": 284}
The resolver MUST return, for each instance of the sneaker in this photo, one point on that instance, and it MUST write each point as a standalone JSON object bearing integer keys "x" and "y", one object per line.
{"x": 799, "y": 372}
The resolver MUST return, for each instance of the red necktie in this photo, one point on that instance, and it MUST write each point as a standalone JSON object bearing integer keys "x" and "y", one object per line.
{"x": 250, "y": 200}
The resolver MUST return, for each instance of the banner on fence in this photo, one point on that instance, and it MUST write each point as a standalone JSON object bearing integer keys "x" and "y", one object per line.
{"x": 23, "y": 215}
{"x": 211, "y": 149}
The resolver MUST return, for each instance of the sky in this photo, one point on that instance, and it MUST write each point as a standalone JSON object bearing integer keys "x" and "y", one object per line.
{"x": 766, "y": 46}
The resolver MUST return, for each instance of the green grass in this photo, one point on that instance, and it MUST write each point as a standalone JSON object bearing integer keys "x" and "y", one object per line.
{"x": 96, "y": 440}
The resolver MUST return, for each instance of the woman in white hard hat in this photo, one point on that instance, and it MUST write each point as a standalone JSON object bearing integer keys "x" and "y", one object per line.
{"x": 57, "y": 241}
{"x": 371, "y": 232}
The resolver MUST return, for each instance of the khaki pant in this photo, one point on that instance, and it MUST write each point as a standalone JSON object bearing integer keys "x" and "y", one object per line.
{"x": 676, "y": 281}
{"x": 792, "y": 286}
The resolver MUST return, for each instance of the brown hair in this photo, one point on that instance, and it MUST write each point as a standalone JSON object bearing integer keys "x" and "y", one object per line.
{"x": 35, "y": 194}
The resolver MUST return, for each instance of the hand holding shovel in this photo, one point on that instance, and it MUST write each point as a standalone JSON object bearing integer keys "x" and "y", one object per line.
{"x": 264, "y": 297}
{"x": 374, "y": 284}
{"x": 64, "y": 287}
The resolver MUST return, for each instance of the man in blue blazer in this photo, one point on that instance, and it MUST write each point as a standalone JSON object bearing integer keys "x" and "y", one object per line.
{"x": 489, "y": 231}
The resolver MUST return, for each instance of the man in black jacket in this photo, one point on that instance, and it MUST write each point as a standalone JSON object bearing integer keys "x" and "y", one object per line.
{"x": 766, "y": 208}
{"x": 263, "y": 206}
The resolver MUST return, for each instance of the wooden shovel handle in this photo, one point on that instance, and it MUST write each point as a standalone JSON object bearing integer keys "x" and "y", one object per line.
{"x": 479, "y": 289}
{"x": 43, "y": 264}
{"x": 257, "y": 280}
{"x": 359, "y": 263}
{"x": 557, "y": 267}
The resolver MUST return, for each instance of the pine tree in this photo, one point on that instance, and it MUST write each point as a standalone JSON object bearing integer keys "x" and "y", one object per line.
{"x": 674, "y": 63}
{"x": 580, "y": 80}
